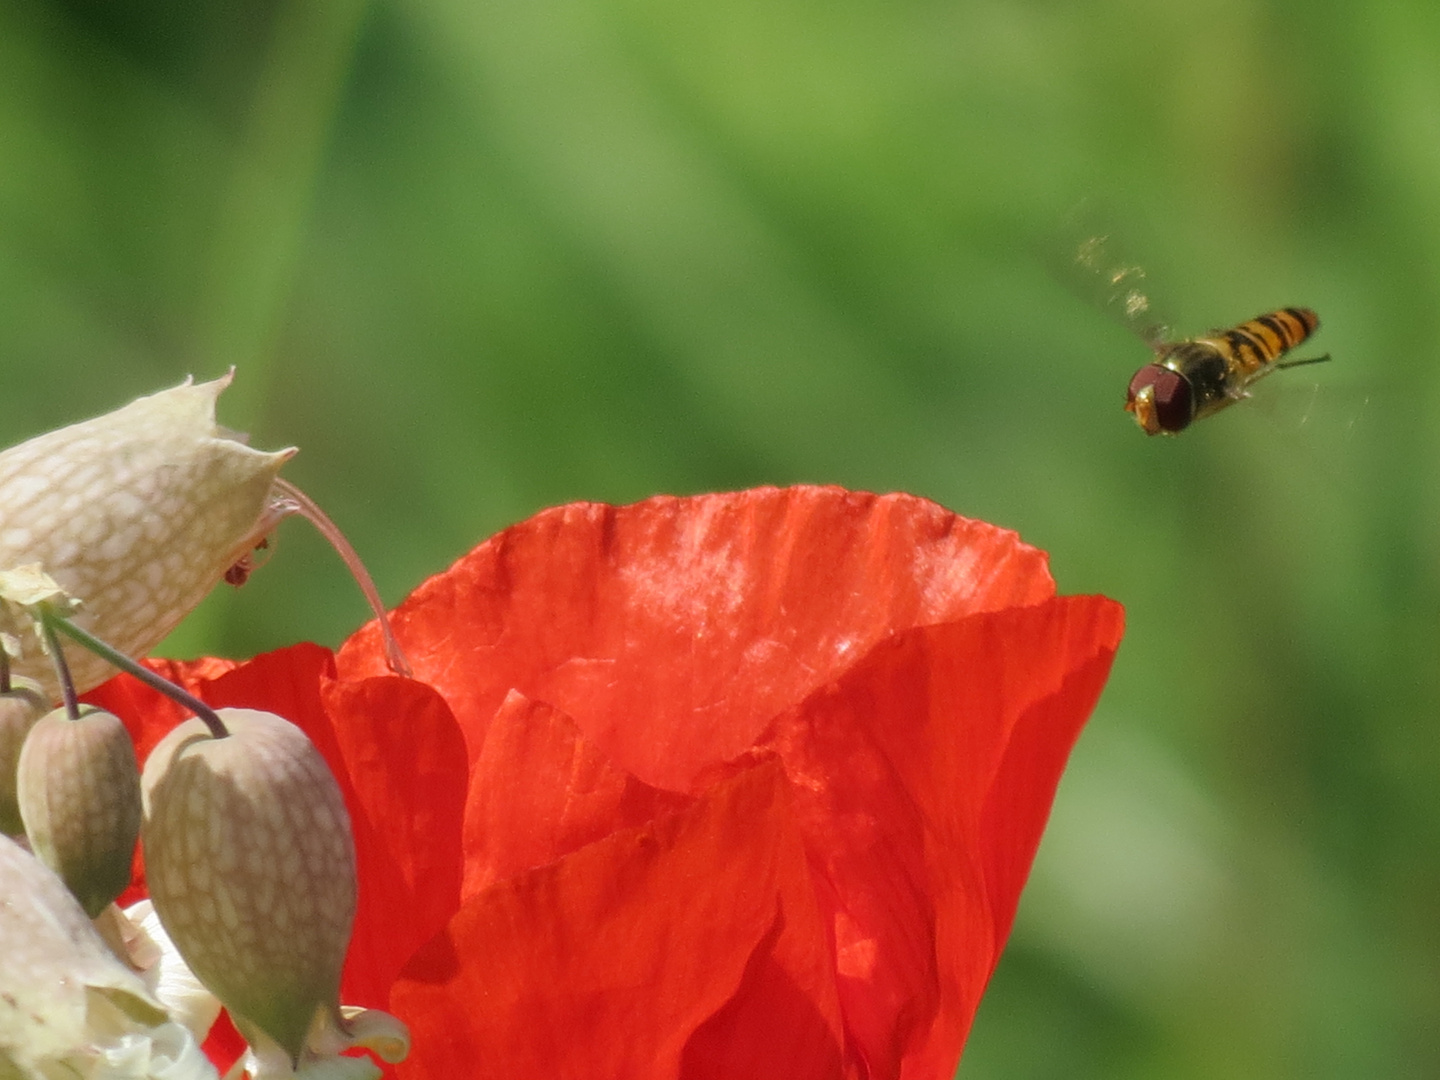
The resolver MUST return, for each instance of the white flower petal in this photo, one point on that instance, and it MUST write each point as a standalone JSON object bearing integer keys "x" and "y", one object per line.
{"x": 166, "y": 973}
{"x": 68, "y": 1006}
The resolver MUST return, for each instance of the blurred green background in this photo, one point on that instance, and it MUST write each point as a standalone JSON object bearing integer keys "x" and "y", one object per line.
{"x": 480, "y": 259}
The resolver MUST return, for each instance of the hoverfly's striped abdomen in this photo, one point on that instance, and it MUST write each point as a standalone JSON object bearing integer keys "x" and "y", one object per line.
{"x": 1264, "y": 339}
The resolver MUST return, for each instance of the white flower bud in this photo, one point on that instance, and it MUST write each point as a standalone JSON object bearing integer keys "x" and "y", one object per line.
{"x": 20, "y": 707}
{"x": 251, "y": 867}
{"x": 78, "y": 786}
{"x": 137, "y": 513}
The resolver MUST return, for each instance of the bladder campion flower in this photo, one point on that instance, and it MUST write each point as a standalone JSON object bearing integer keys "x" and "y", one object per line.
{"x": 137, "y": 514}
{"x": 112, "y": 530}
{"x": 79, "y": 797}
{"x": 22, "y": 703}
{"x": 252, "y": 871}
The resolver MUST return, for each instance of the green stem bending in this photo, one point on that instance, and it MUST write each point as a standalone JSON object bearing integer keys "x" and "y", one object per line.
{"x": 62, "y": 669}
{"x": 291, "y": 500}
{"x": 52, "y": 622}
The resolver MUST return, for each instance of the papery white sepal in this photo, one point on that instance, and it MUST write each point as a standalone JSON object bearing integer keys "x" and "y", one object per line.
{"x": 68, "y": 1006}
{"x": 168, "y": 1052}
{"x": 323, "y": 1057}
{"x": 166, "y": 973}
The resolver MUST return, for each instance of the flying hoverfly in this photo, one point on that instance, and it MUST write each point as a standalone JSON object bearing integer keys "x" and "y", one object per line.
{"x": 1196, "y": 377}
{"x": 1191, "y": 379}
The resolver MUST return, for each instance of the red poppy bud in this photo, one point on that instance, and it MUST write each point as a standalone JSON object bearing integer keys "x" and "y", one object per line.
{"x": 20, "y": 707}
{"x": 251, "y": 867}
{"x": 78, "y": 787}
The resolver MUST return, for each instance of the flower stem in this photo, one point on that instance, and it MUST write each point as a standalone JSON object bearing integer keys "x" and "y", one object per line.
{"x": 291, "y": 500}
{"x": 62, "y": 669}
{"x": 52, "y": 622}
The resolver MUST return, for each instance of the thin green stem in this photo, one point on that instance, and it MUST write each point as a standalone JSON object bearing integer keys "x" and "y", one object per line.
{"x": 295, "y": 501}
{"x": 208, "y": 716}
{"x": 62, "y": 669}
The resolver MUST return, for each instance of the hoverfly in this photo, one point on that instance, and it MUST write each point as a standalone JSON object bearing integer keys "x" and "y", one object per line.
{"x": 1191, "y": 379}
{"x": 1195, "y": 377}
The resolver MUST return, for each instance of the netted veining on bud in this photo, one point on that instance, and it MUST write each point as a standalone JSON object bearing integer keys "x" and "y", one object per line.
{"x": 20, "y": 707}
{"x": 251, "y": 867}
{"x": 137, "y": 513}
{"x": 78, "y": 786}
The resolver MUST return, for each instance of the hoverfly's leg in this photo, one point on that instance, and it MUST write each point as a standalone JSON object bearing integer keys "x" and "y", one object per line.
{"x": 1242, "y": 389}
{"x": 1301, "y": 363}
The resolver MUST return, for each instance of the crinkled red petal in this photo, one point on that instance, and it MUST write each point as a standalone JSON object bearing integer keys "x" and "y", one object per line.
{"x": 673, "y": 630}
{"x": 540, "y": 790}
{"x": 923, "y": 778}
{"x": 689, "y": 938}
{"x": 404, "y": 778}
{"x": 750, "y": 783}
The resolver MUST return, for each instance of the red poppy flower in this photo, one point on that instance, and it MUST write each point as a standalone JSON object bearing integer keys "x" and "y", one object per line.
{"x": 735, "y": 785}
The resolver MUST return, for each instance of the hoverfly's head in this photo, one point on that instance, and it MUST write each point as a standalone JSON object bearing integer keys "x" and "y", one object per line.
{"x": 1161, "y": 399}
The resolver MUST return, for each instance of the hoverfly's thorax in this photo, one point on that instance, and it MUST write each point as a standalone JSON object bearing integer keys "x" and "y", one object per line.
{"x": 1205, "y": 366}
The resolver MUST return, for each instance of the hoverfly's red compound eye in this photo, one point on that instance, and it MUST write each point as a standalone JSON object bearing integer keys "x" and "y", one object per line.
{"x": 1161, "y": 400}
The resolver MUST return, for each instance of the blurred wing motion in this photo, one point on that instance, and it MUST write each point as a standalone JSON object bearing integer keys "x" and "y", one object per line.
{"x": 1118, "y": 286}
{"x": 1189, "y": 380}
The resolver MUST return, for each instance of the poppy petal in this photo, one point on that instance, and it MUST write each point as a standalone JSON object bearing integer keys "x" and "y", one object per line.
{"x": 612, "y": 960}
{"x": 749, "y": 783}
{"x": 922, "y": 780}
{"x": 673, "y": 630}
{"x": 540, "y": 790}
{"x": 404, "y": 778}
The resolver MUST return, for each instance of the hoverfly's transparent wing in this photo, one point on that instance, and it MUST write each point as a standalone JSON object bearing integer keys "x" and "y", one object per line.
{"x": 1314, "y": 429}
{"x": 1119, "y": 286}
{"x": 1320, "y": 405}
{"x": 1091, "y": 261}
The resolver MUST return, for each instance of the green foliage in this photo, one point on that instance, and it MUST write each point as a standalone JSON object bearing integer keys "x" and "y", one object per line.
{"x": 476, "y": 259}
